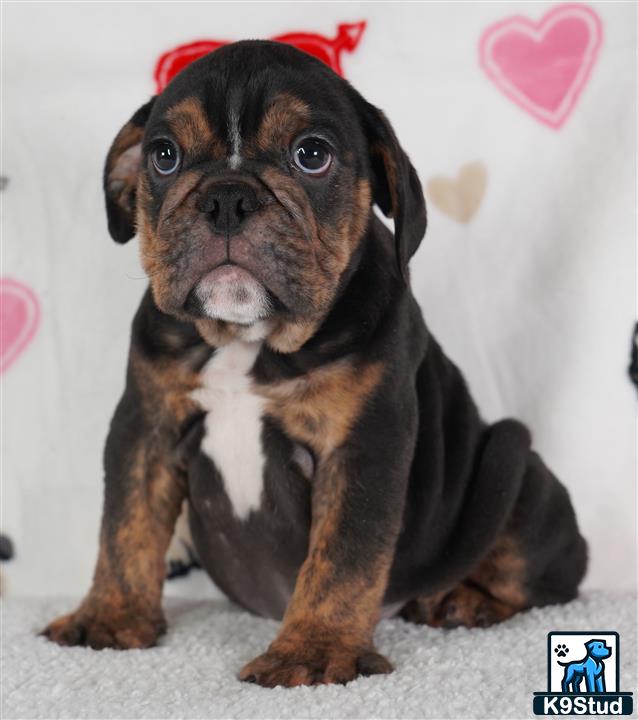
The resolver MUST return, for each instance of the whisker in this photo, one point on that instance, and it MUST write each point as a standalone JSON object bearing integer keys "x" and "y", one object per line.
{"x": 135, "y": 277}
{"x": 143, "y": 277}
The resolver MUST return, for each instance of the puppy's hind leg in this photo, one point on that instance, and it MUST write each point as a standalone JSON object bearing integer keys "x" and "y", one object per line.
{"x": 545, "y": 529}
{"x": 539, "y": 558}
{"x": 491, "y": 594}
{"x": 463, "y": 606}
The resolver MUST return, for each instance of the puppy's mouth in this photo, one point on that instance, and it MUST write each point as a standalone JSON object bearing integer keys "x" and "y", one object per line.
{"x": 230, "y": 293}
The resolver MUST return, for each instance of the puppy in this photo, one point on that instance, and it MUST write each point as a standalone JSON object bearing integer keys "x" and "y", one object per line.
{"x": 282, "y": 380}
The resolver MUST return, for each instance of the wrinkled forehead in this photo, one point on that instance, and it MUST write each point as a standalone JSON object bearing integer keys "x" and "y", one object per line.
{"x": 254, "y": 97}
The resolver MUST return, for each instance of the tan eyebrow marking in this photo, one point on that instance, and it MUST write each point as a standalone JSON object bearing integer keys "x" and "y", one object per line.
{"x": 285, "y": 117}
{"x": 189, "y": 124}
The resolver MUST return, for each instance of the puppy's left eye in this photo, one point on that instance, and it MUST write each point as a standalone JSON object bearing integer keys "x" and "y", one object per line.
{"x": 165, "y": 157}
{"x": 312, "y": 156}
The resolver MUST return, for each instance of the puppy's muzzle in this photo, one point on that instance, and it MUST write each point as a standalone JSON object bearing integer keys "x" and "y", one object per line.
{"x": 227, "y": 205}
{"x": 228, "y": 291}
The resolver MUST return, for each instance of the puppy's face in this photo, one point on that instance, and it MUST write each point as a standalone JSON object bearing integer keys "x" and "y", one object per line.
{"x": 250, "y": 181}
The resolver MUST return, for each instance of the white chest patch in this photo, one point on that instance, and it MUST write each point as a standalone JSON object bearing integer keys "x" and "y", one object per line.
{"x": 233, "y": 423}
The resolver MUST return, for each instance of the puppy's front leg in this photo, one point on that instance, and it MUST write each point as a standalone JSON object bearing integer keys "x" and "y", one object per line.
{"x": 144, "y": 489}
{"x": 327, "y": 631}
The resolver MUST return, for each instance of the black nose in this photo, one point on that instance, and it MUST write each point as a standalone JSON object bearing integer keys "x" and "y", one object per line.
{"x": 228, "y": 205}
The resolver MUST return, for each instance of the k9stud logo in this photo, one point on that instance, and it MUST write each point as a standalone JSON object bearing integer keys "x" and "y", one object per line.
{"x": 583, "y": 676}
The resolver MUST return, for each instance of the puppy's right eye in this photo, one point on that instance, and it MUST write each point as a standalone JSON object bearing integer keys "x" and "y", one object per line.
{"x": 165, "y": 157}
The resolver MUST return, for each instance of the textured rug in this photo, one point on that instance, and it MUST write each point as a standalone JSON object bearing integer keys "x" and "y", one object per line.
{"x": 193, "y": 672}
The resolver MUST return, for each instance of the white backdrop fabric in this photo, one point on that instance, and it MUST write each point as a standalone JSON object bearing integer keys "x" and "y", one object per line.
{"x": 534, "y": 297}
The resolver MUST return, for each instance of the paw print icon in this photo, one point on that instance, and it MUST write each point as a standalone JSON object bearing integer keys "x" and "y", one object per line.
{"x": 561, "y": 650}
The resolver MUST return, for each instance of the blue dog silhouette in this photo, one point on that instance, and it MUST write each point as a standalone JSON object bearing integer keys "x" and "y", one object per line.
{"x": 591, "y": 667}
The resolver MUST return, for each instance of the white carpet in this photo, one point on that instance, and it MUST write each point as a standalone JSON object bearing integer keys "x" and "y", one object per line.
{"x": 192, "y": 674}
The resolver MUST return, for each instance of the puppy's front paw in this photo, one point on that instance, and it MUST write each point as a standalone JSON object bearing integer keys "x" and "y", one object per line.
{"x": 314, "y": 665}
{"x": 98, "y": 629}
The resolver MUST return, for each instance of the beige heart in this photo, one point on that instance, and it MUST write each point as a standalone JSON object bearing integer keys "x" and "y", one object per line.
{"x": 461, "y": 197}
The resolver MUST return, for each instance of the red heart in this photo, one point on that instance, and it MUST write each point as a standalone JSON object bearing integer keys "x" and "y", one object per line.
{"x": 543, "y": 66}
{"x": 325, "y": 49}
{"x": 19, "y": 318}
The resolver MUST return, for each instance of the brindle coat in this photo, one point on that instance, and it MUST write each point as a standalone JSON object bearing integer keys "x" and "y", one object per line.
{"x": 414, "y": 505}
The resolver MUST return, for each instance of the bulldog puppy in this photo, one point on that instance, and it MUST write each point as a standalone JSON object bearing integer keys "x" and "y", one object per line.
{"x": 281, "y": 379}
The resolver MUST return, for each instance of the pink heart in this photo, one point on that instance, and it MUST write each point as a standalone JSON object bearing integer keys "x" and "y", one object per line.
{"x": 543, "y": 66}
{"x": 19, "y": 318}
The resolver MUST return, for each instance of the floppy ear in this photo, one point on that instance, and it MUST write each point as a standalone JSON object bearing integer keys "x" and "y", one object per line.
{"x": 120, "y": 175}
{"x": 396, "y": 187}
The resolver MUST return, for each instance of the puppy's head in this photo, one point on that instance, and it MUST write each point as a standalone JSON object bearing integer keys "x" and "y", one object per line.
{"x": 250, "y": 182}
